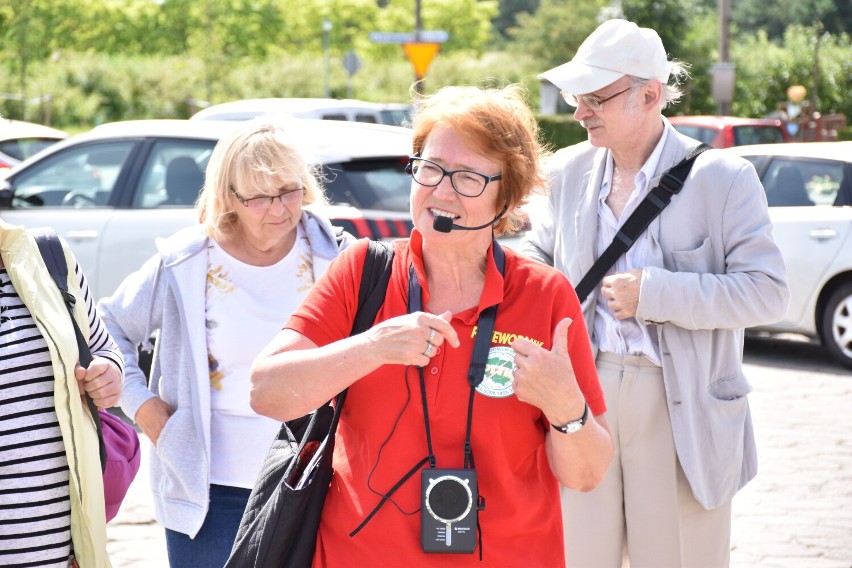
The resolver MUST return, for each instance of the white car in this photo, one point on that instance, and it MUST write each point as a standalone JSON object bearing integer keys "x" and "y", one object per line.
{"x": 112, "y": 191}
{"x": 809, "y": 190}
{"x": 324, "y": 109}
{"x": 19, "y": 140}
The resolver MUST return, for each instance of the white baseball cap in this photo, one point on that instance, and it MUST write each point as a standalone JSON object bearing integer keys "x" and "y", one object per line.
{"x": 615, "y": 49}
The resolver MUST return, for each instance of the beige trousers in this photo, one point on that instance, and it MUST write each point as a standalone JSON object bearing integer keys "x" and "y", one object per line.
{"x": 643, "y": 514}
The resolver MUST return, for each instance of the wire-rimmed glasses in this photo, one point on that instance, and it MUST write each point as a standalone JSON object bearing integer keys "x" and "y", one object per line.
{"x": 594, "y": 102}
{"x": 264, "y": 202}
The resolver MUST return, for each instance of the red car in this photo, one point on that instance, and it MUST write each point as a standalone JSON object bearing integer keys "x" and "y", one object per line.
{"x": 727, "y": 131}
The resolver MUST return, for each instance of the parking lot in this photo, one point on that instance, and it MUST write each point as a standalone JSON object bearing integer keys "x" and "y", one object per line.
{"x": 797, "y": 513}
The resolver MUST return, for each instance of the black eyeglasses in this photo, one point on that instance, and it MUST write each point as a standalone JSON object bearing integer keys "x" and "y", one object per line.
{"x": 594, "y": 102}
{"x": 465, "y": 182}
{"x": 264, "y": 202}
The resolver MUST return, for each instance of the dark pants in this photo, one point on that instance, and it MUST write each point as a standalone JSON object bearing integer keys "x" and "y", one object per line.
{"x": 212, "y": 545}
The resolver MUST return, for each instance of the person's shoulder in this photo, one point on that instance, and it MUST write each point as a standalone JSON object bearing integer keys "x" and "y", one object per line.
{"x": 712, "y": 158}
{"x": 533, "y": 274}
{"x": 183, "y": 243}
{"x": 325, "y": 239}
{"x": 718, "y": 162}
{"x": 577, "y": 152}
{"x": 355, "y": 253}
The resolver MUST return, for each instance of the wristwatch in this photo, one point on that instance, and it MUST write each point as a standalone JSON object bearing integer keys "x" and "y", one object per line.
{"x": 574, "y": 425}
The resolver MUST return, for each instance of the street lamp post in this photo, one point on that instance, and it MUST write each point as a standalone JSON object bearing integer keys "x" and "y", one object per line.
{"x": 326, "y": 29}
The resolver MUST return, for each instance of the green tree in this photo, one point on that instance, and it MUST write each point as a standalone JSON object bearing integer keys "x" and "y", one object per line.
{"x": 508, "y": 12}
{"x": 765, "y": 69}
{"x": 751, "y": 16}
{"x": 670, "y": 18}
{"x": 554, "y": 32}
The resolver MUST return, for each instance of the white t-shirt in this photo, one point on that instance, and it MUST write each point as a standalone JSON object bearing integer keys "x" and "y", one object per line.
{"x": 246, "y": 306}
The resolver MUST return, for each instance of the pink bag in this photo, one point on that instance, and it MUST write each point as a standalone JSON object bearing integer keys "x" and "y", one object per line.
{"x": 122, "y": 460}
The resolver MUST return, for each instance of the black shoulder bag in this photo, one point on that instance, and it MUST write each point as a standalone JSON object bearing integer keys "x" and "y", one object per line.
{"x": 670, "y": 185}
{"x": 280, "y": 523}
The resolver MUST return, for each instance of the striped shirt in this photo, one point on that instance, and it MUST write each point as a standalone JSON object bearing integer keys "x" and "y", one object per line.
{"x": 35, "y": 508}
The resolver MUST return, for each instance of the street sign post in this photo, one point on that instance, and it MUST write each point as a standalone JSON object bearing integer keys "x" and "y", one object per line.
{"x": 424, "y": 36}
{"x": 421, "y": 55}
{"x": 351, "y": 63}
{"x": 420, "y": 46}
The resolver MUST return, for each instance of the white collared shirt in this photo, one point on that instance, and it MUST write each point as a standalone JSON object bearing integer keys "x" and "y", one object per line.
{"x": 625, "y": 337}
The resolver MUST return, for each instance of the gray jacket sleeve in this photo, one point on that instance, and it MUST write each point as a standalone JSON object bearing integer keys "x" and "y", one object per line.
{"x": 131, "y": 315}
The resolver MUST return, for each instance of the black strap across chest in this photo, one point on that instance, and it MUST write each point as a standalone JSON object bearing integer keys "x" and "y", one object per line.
{"x": 479, "y": 358}
{"x": 476, "y": 373}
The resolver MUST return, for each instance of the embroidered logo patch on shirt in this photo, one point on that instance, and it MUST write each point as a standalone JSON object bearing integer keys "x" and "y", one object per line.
{"x": 499, "y": 373}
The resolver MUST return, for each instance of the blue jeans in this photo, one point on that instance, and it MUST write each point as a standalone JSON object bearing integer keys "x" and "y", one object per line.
{"x": 212, "y": 545}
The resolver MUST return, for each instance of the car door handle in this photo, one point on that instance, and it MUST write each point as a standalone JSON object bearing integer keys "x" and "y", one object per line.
{"x": 823, "y": 234}
{"x": 82, "y": 235}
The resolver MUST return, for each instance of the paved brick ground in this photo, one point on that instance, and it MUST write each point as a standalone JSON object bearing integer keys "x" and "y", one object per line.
{"x": 797, "y": 513}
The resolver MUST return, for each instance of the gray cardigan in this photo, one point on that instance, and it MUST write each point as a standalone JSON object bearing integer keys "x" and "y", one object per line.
{"x": 714, "y": 270}
{"x": 167, "y": 296}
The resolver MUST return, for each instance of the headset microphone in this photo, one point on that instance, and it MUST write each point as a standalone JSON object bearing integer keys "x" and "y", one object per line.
{"x": 445, "y": 224}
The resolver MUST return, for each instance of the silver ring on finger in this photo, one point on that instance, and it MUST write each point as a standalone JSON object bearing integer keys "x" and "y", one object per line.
{"x": 431, "y": 335}
{"x": 430, "y": 350}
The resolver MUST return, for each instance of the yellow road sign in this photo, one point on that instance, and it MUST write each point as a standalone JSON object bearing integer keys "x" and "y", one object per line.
{"x": 421, "y": 55}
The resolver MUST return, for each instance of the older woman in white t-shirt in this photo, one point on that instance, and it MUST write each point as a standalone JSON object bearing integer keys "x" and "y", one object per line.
{"x": 215, "y": 294}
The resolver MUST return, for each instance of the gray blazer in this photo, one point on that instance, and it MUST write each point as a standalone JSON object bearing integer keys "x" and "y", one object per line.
{"x": 713, "y": 271}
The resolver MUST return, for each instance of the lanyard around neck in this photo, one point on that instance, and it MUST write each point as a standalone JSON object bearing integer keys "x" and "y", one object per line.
{"x": 479, "y": 358}
{"x": 476, "y": 373}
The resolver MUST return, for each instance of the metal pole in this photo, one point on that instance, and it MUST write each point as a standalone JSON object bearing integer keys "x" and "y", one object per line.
{"x": 418, "y": 22}
{"x": 326, "y": 32}
{"x": 418, "y": 27}
{"x": 724, "y": 108}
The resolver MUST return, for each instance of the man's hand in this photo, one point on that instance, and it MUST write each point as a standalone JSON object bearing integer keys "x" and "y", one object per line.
{"x": 622, "y": 293}
{"x": 102, "y": 382}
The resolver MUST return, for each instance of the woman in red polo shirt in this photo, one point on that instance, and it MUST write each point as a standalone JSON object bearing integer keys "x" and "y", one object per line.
{"x": 505, "y": 438}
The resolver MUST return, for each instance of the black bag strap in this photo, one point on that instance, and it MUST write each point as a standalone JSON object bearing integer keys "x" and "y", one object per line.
{"x": 371, "y": 296}
{"x": 53, "y": 255}
{"x": 670, "y": 184}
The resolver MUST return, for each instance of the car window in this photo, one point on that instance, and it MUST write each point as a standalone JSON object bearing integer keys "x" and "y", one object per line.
{"x": 371, "y": 118}
{"x": 173, "y": 173}
{"x": 396, "y": 117}
{"x": 744, "y": 135}
{"x": 23, "y": 148}
{"x": 369, "y": 184}
{"x": 700, "y": 133}
{"x": 334, "y": 116}
{"x": 83, "y": 176}
{"x": 795, "y": 182}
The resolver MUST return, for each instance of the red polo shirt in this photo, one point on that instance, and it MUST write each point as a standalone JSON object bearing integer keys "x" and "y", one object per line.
{"x": 382, "y": 434}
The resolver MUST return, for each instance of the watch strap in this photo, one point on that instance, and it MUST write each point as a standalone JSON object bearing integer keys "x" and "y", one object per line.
{"x": 574, "y": 425}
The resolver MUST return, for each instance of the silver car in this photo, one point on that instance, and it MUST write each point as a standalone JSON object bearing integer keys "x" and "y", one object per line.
{"x": 809, "y": 190}
{"x": 19, "y": 140}
{"x": 112, "y": 191}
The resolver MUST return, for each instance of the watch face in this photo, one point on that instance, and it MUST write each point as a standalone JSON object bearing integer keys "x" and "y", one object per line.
{"x": 572, "y": 427}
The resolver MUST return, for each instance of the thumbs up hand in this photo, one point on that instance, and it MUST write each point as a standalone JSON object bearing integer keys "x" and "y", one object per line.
{"x": 546, "y": 378}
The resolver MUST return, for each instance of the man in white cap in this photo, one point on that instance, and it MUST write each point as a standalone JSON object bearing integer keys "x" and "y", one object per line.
{"x": 667, "y": 320}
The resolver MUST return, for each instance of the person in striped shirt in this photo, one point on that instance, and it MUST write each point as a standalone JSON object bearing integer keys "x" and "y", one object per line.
{"x": 51, "y": 488}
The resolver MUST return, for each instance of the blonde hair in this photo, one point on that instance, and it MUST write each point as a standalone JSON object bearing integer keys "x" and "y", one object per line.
{"x": 256, "y": 155}
{"x": 499, "y": 124}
